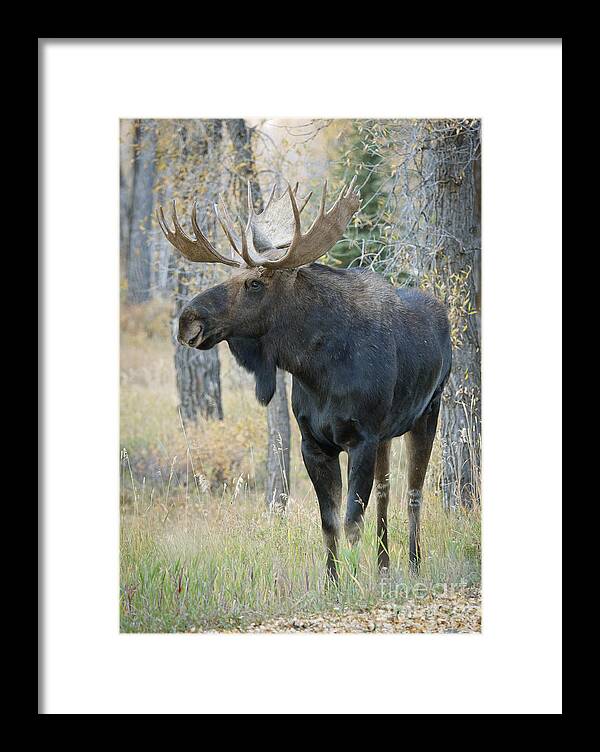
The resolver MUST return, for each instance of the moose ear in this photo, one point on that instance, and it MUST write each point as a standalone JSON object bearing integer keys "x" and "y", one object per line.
{"x": 249, "y": 354}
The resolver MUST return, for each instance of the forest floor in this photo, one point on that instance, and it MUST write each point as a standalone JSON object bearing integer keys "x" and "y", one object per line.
{"x": 201, "y": 553}
{"x": 452, "y": 613}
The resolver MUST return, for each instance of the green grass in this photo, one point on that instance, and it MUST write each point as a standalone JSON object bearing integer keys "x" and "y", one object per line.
{"x": 199, "y": 550}
{"x": 213, "y": 563}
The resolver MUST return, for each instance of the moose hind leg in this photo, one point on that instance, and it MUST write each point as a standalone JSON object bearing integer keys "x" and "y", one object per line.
{"x": 382, "y": 488}
{"x": 324, "y": 472}
{"x": 419, "y": 441}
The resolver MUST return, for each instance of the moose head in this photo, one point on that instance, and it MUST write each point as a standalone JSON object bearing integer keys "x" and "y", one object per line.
{"x": 268, "y": 250}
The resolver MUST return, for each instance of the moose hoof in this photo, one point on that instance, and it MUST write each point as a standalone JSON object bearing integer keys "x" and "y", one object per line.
{"x": 353, "y": 532}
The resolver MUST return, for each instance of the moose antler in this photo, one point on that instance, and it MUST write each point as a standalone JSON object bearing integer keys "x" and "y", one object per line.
{"x": 276, "y": 227}
{"x": 199, "y": 249}
{"x": 325, "y": 231}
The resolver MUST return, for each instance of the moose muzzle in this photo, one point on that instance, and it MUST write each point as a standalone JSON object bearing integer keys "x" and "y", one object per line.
{"x": 190, "y": 328}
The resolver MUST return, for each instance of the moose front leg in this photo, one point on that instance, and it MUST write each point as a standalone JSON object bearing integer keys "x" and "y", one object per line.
{"x": 361, "y": 470}
{"x": 324, "y": 472}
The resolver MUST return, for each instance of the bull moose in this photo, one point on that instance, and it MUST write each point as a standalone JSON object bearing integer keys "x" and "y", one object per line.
{"x": 368, "y": 361}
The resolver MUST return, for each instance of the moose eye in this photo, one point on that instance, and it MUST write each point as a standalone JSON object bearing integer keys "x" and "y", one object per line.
{"x": 254, "y": 284}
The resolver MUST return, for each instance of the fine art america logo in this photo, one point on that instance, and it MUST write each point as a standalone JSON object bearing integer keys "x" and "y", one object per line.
{"x": 402, "y": 590}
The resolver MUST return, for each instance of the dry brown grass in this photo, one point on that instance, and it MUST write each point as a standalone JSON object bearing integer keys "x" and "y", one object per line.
{"x": 220, "y": 451}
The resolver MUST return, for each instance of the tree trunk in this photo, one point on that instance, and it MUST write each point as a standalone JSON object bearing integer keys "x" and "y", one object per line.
{"x": 198, "y": 383}
{"x": 140, "y": 241}
{"x": 124, "y": 217}
{"x": 127, "y": 136}
{"x": 457, "y": 220}
{"x": 278, "y": 419}
{"x": 198, "y": 372}
{"x": 278, "y": 455}
{"x": 245, "y": 168}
